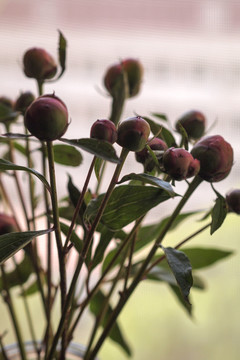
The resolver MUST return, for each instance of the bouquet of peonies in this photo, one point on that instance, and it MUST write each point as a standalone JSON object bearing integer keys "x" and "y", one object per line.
{"x": 114, "y": 248}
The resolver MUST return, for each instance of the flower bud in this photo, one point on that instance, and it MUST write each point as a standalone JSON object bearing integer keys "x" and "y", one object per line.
{"x": 39, "y": 64}
{"x": 47, "y": 118}
{"x": 23, "y": 101}
{"x": 215, "y": 156}
{"x": 133, "y": 133}
{"x": 145, "y": 158}
{"x": 233, "y": 201}
{"x": 180, "y": 164}
{"x": 104, "y": 130}
{"x": 7, "y": 224}
{"x": 113, "y": 78}
{"x": 194, "y": 124}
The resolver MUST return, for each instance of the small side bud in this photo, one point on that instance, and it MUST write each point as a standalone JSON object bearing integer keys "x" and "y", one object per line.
{"x": 133, "y": 133}
{"x": 39, "y": 64}
{"x": 104, "y": 130}
{"x": 145, "y": 158}
{"x": 233, "y": 201}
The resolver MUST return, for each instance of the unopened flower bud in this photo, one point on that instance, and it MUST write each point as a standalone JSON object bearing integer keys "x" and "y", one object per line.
{"x": 180, "y": 164}
{"x": 233, "y": 201}
{"x": 23, "y": 101}
{"x": 104, "y": 130}
{"x": 133, "y": 133}
{"x": 39, "y": 64}
{"x": 47, "y": 118}
{"x": 194, "y": 124}
{"x": 145, "y": 158}
{"x": 215, "y": 156}
{"x": 114, "y": 76}
{"x": 7, "y": 224}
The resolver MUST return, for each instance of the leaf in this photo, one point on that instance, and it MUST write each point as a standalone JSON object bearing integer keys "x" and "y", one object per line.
{"x": 126, "y": 204}
{"x": 67, "y": 155}
{"x": 165, "y": 134}
{"x": 7, "y": 165}
{"x": 62, "y": 45}
{"x": 77, "y": 242}
{"x": 160, "y": 116}
{"x": 115, "y": 334}
{"x": 203, "y": 257}
{"x": 106, "y": 237}
{"x": 20, "y": 274}
{"x": 181, "y": 268}
{"x": 97, "y": 167}
{"x": 7, "y": 113}
{"x": 219, "y": 213}
{"x": 12, "y": 242}
{"x": 149, "y": 179}
{"x": 184, "y": 134}
{"x": 99, "y": 148}
{"x": 74, "y": 195}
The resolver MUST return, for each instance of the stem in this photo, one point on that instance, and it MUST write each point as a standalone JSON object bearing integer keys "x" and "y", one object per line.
{"x": 79, "y": 204}
{"x": 8, "y": 300}
{"x": 85, "y": 249}
{"x": 194, "y": 184}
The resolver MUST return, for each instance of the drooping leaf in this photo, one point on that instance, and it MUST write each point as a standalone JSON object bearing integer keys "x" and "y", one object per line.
{"x": 67, "y": 155}
{"x": 7, "y": 165}
{"x": 20, "y": 274}
{"x": 160, "y": 116}
{"x": 149, "y": 179}
{"x": 219, "y": 213}
{"x": 203, "y": 257}
{"x": 115, "y": 334}
{"x": 62, "y": 45}
{"x": 99, "y": 148}
{"x": 181, "y": 269}
{"x": 126, "y": 204}
{"x": 12, "y": 242}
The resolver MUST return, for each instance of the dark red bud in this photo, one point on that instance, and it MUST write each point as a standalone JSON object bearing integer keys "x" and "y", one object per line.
{"x": 47, "y": 118}
{"x": 104, "y": 130}
{"x": 133, "y": 133}
{"x": 215, "y": 156}
{"x": 39, "y": 64}
{"x": 180, "y": 164}
{"x": 194, "y": 123}
{"x": 233, "y": 201}
{"x": 23, "y": 101}
{"x": 7, "y": 224}
{"x": 113, "y": 78}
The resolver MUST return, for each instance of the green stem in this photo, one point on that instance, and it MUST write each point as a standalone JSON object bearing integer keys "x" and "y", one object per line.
{"x": 122, "y": 301}
{"x": 85, "y": 249}
{"x": 14, "y": 319}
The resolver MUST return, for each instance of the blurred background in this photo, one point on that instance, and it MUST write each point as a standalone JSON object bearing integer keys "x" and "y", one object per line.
{"x": 191, "y": 55}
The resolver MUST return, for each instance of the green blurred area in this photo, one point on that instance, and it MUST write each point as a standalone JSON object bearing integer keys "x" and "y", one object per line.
{"x": 156, "y": 325}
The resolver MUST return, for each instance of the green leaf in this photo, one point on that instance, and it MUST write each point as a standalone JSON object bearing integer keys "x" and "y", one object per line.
{"x": 74, "y": 195}
{"x": 115, "y": 334}
{"x": 7, "y": 165}
{"x": 184, "y": 134}
{"x": 7, "y": 113}
{"x": 126, "y": 204}
{"x": 99, "y": 148}
{"x": 181, "y": 269}
{"x": 219, "y": 213}
{"x": 149, "y": 179}
{"x": 67, "y": 155}
{"x": 20, "y": 274}
{"x": 12, "y": 242}
{"x": 97, "y": 167}
{"x": 160, "y": 116}
{"x": 62, "y": 45}
{"x": 203, "y": 257}
{"x": 165, "y": 134}
{"x": 105, "y": 238}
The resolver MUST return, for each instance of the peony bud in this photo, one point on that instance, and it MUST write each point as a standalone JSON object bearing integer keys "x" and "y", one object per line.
{"x": 215, "y": 156}
{"x": 233, "y": 201}
{"x": 194, "y": 124}
{"x": 47, "y": 118}
{"x": 145, "y": 158}
{"x": 39, "y": 64}
{"x": 104, "y": 130}
{"x": 133, "y": 133}
{"x": 113, "y": 78}
{"x": 23, "y": 101}
{"x": 7, "y": 224}
{"x": 180, "y": 164}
